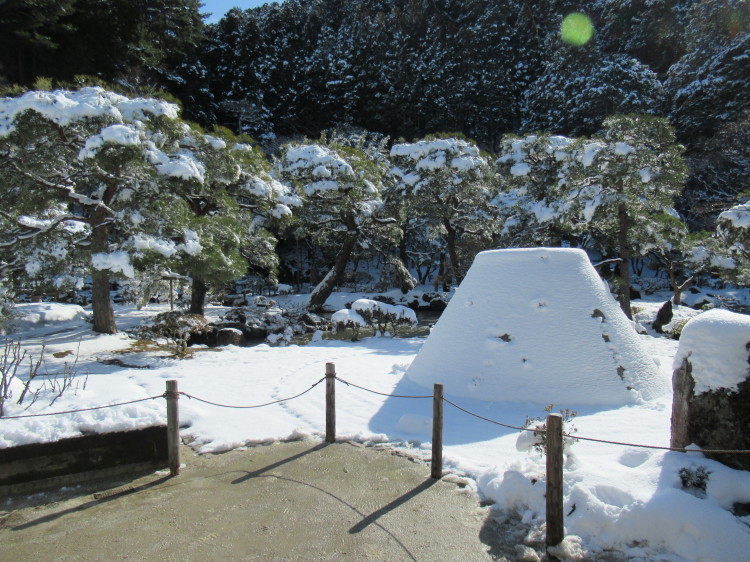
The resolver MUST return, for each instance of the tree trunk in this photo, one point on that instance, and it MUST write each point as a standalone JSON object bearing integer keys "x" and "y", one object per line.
{"x": 101, "y": 303}
{"x": 622, "y": 239}
{"x": 333, "y": 277}
{"x": 402, "y": 254}
{"x": 198, "y": 296}
{"x": 680, "y": 288}
{"x": 452, "y": 254}
{"x": 406, "y": 281}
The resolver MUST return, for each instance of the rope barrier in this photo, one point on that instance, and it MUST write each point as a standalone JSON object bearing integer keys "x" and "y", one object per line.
{"x": 380, "y": 393}
{"x": 256, "y": 405}
{"x": 492, "y": 421}
{"x": 542, "y": 431}
{"x": 81, "y": 410}
{"x": 509, "y": 426}
{"x": 677, "y": 449}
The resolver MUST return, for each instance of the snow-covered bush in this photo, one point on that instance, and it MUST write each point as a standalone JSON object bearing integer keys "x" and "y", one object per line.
{"x": 374, "y": 314}
{"x": 348, "y": 319}
{"x": 695, "y": 479}
{"x": 537, "y": 438}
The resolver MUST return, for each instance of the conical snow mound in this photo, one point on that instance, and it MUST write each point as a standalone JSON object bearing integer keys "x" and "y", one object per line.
{"x": 537, "y": 325}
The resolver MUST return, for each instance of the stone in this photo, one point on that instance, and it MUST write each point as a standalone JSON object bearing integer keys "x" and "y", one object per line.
{"x": 229, "y": 336}
{"x": 716, "y": 419}
{"x": 663, "y": 317}
{"x": 710, "y": 407}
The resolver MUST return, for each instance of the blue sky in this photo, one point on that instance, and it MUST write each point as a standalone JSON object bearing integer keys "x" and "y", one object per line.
{"x": 219, "y": 7}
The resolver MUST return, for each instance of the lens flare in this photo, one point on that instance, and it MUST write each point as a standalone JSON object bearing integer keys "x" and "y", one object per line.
{"x": 576, "y": 29}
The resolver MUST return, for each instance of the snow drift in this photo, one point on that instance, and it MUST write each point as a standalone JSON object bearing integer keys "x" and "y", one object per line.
{"x": 537, "y": 325}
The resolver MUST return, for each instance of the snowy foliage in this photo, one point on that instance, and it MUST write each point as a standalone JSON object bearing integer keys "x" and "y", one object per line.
{"x": 733, "y": 242}
{"x": 447, "y": 183}
{"x": 112, "y": 183}
{"x": 577, "y": 92}
{"x": 342, "y": 208}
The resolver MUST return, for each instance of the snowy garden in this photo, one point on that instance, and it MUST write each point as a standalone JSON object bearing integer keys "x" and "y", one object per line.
{"x": 584, "y": 252}
{"x": 641, "y": 502}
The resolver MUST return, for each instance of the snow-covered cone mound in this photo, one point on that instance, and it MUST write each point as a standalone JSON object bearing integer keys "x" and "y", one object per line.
{"x": 537, "y": 325}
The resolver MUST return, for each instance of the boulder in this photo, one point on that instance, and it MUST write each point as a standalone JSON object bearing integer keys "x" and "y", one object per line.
{"x": 229, "y": 336}
{"x": 711, "y": 384}
{"x": 663, "y": 317}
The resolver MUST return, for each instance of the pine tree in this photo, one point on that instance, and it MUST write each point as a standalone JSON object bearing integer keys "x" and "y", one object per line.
{"x": 98, "y": 179}
{"x": 342, "y": 206}
{"x": 447, "y": 182}
{"x": 579, "y": 88}
{"x": 623, "y": 183}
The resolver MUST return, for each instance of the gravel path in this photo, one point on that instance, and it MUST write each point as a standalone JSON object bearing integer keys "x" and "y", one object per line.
{"x": 289, "y": 501}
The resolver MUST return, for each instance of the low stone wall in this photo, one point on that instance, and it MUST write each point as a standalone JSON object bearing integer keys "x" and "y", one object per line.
{"x": 38, "y": 461}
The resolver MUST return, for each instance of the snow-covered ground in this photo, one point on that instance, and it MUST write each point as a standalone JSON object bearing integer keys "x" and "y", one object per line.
{"x": 618, "y": 498}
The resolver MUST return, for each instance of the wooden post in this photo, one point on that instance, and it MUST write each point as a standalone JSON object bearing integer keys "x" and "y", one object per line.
{"x": 436, "y": 468}
{"x": 555, "y": 525}
{"x": 173, "y": 428}
{"x": 330, "y": 403}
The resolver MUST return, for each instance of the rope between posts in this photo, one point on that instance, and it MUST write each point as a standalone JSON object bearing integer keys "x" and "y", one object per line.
{"x": 492, "y": 421}
{"x": 256, "y": 405}
{"x": 678, "y": 449}
{"x": 542, "y": 431}
{"x": 380, "y": 393}
{"x": 82, "y": 409}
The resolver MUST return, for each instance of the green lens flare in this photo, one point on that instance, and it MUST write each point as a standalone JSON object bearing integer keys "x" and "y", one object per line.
{"x": 576, "y": 29}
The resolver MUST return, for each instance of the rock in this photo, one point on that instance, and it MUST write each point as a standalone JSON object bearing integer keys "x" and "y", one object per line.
{"x": 259, "y": 320}
{"x": 663, "y": 317}
{"x": 713, "y": 420}
{"x": 177, "y": 326}
{"x": 711, "y": 387}
{"x": 438, "y": 305}
{"x": 229, "y": 336}
{"x": 261, "y": 301}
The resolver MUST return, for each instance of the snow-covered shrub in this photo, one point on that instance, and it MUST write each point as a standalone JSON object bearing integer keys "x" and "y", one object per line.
{"x": 537, "y": 439}
{"x": 695, "y": 479}
{"x": 348, "y": 319}
{"x": 376, "y": 315}
{"x": 676, "y": 330}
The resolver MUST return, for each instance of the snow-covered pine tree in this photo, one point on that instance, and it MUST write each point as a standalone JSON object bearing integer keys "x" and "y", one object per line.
{"x": 341, "y": 189}
{"x": 447, "y": 182}
{"x": 531, "y": 201}
{"x": 621, "y": 183}
{"x": 211, "y": 230}
{"x": 579, "y": 88}
{"x": 94, "y": 178}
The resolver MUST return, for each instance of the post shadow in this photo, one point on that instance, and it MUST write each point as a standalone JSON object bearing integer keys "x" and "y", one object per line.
{"x": 375, "y": 515}
{"x": 260, "y": 471}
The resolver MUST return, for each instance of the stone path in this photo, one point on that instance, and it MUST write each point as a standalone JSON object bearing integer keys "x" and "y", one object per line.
{"x": 289, "y": 501}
